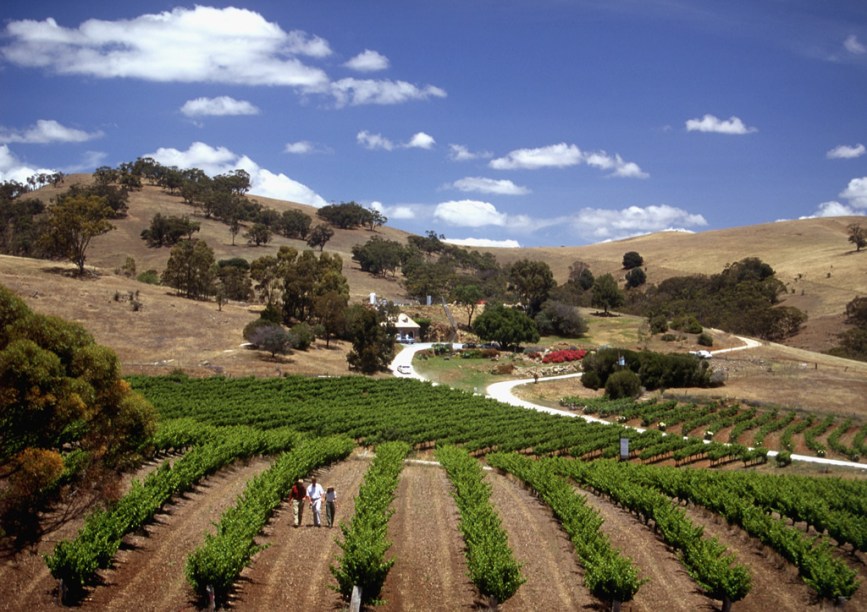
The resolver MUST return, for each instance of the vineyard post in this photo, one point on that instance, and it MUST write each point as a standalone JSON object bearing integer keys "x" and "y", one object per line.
{"x": 355, "y": 602}
{"x": 212, "y": 600}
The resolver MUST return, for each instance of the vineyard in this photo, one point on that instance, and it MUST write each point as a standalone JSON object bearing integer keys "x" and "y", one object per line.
{"x": 559, "y": 524}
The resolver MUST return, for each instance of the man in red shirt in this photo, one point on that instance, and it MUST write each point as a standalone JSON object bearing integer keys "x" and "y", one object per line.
{"x": 298, "y": 494}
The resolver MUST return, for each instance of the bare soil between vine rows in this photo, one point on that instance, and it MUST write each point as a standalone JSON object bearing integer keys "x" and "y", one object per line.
{"x": 429, "y": 572}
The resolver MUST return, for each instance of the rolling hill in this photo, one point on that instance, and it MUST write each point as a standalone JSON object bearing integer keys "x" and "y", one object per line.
{"x": 812, "y": 257}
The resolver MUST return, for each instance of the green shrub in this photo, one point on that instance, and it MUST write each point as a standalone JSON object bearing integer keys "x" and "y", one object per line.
{"x": 668, "y": 337}
{"x": 705, "y": 339}
{"x": 658, "y": 324}
{"x": 302, "y": 336}
{"x": 591, "y": 380}
{"x": 150, "y": 277}
{"x": 784, "y": 458}
{"x": 623, "y": 383}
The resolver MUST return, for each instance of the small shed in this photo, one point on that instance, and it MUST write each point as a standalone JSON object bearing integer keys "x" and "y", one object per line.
{"x": 406, "y": 328}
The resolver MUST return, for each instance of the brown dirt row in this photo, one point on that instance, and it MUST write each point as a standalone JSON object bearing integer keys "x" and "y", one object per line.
{"x": 148, "y": 571}
{"x": 430, "y": 570}
{"x": 293, "y": 572}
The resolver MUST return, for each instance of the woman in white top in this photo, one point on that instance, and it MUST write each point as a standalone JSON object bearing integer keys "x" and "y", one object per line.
{"x": 330, "y": 506}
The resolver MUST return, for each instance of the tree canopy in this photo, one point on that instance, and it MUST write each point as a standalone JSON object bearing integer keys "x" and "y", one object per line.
{"x": 507, "y": 326}
{"x": 61, "y": 392}
{"x": 606, "y": 293}
{"x": 75, "y": 220}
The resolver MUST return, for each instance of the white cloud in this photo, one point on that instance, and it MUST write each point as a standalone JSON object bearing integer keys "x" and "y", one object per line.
{"x": 202, "y": 44}
{"x": 373, "y": 141}
{"x": 46, "y": 131}
{"x": 400, "y": 211}
{"x": 475, "y": 213}
{"x": 368, "y": 61}
{"x": 462, "y": 153}
{"x": 13, "y": 169}
{"x": 469, "y": 213}
{"x": 856, "y": 192}
{"x": 562, "y": 155}
{"x": 602, "y": 223}
{"x": 220, "y": 160}
{"x": 355, "y": 92}
{"x": 421, "y": 140}
{"x": 554, "y": 156}
{"x": 854, "y": 46}
{"x": 710, "y": 123}
{"x": 220, "y": 106}
{"x": 615, "y": 164}
{"x": 487, "y": 185}
{"x": 846, "y": 152}
{"x": 832, "y": 209}
{"x": 305, "y": 147}
{"x": 484, "y": 242}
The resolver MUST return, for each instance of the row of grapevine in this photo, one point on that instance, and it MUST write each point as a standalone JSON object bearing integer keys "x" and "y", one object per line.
{"x": 709, "y": 418}
{"x": 820, "y": 569}
{"x": 75, "y": 562}
{"x": 705, "y": 559}
{"x": 608, "y": 575}
{"x": 219, "y": 561}
{"x": 492, "y": 566}
{"x": 365, "y": 543}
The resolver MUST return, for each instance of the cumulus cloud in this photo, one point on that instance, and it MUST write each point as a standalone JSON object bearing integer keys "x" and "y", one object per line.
{"x": 602, "y": 224}
{"x": 484, "y": 242}
{"x": 371, "y": 141}
{"x": 200, "y": 45}
{"x": 710, "y": 123}
{"x": 368, "y": 61}
{"x": 832, "y": 209}
{"x": 399, "y": 211}
{"x": 462, "y": 153}
{"x": 218, "y": 107}
{"x": 563, "y": 155}
{"x": 480, "y": 184}
{"x": 421, "y": 140}
{"x": 469, "y": 213}
{"x": 854, "y": 46}
{"x": 355, "y": 92}
{"x": 554, "y": 156}
{"x": 305, "y": 147}
{"x": 203, "y": 44}
{"x": 46, "y": 131}
{"x": 856, "y": 192}
{"x": 13, "y": 169}
{"x": 846, "y": 152}
{"x": 220, "y": 160}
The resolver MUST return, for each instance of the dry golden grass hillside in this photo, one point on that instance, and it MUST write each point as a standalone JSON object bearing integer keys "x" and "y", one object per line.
{"x": 814, "y": 259}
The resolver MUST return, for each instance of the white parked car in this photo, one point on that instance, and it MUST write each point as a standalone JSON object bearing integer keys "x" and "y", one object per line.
{"x": 403, "y": 369}
{"x": 702, "y": 354}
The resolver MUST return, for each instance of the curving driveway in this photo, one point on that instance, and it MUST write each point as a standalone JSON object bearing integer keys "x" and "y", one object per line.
{"x": 402, "y": 367}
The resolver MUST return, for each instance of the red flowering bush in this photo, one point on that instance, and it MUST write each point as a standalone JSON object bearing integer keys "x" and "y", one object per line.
{"x": 564, "y": 356}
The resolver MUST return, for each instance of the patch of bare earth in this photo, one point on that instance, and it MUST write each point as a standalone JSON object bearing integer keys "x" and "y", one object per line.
{"x": 25, "y": 582}
{"x": 148, "y": 571}
{"x": 430, "y": 572}
{"x": 668, "y": 585}
{"x": 775, "y": 582}
{"x": 293, "y": 572}
{"x": 554, "y": 580}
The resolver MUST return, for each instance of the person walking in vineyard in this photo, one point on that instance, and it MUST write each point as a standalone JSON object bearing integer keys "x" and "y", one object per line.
{"x": 315, "y": 492}
{"x": 298, "y": 494}
{"x": 330, "y": 506}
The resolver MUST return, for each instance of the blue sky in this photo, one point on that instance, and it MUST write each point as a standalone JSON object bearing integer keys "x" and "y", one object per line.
{"x": 508, "y": 122}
